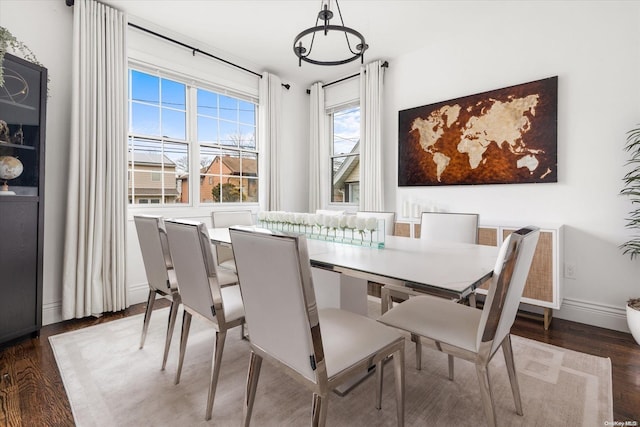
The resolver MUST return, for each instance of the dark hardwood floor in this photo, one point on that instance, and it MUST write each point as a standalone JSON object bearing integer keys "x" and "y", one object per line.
{"x": 32, "y": 392}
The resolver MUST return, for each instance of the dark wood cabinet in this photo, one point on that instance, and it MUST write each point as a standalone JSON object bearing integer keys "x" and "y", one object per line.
{"x": 22, "y": 146}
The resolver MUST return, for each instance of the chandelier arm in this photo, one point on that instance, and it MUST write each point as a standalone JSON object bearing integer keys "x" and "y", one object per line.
{"x": 314, "y": 30}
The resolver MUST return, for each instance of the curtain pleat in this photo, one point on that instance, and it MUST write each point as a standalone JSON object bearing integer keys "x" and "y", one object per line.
{"x": 371, "y": 167}
{"x": 95, "y": 236}
{"x": 271, "y": 112}
{"x": 317, "y": 148}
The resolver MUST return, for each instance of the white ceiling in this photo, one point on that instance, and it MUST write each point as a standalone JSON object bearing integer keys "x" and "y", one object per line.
{"x": 259, "y": 34}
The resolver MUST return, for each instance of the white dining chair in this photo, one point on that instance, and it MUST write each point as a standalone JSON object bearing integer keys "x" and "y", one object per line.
{"x": 203, "y": 292}
{"x": 388, "y": 217}
{"x": 436, "y": 226}
{"x": 223, "y": 219}
{"x": 469, "y": 333}
{"x": 161, "y": 277}
{"x": 320, "y": 348}
{"x": 449, "y": 226}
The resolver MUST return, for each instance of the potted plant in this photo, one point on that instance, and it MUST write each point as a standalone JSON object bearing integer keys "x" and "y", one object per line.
{"x": 9, "y": 42}
{"x": 632, "y": 247}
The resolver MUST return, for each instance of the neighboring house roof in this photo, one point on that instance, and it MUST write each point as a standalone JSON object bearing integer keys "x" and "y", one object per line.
{"x": 142, "y": 158}
{"x": 347, "y": 167}
{"x": 249, "y": 166}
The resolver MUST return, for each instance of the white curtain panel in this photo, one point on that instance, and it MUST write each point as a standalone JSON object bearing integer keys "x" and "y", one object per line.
{"x": 271, "y": 113}
{"x": 371, "y": 179}
{"x": 94, "y": 252}
{"x": 318, "y": 149}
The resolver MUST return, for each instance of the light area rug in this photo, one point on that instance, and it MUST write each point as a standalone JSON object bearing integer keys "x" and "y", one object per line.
{"x": 110, "y": 382}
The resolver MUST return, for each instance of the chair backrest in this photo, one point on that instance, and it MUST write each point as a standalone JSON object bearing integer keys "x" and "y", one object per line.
{"x": 221, "y": 219}
{"x": 195, "y": 268}
{"x": 154, "y": 246}
{"x": 279, "y": 300}
{"x": 507, "y": 284}
{"x": 389, "y": 219}
{"x": 450, "y": 227}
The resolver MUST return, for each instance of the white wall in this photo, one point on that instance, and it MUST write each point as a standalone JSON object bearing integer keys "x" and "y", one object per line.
{"x": 594, "y": 48}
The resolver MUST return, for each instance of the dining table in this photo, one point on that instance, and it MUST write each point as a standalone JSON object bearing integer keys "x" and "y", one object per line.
{"x": 341, "y": 271}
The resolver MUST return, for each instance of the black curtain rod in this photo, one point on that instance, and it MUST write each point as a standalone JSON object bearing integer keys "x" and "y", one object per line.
{"x": 385, "y": 64}
{"x": 194, "y": 50}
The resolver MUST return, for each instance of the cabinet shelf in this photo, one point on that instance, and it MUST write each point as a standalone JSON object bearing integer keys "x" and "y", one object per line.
{"x": 18, "y": 146}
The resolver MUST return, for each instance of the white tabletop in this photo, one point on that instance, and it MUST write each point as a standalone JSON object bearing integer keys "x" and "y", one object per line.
{"x": 456, "y": 268}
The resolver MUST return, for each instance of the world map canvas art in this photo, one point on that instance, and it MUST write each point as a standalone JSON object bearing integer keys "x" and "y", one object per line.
{"x": 503, "y": 136}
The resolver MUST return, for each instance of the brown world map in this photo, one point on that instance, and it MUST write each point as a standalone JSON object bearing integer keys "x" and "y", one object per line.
{"x": 503, "y": 136}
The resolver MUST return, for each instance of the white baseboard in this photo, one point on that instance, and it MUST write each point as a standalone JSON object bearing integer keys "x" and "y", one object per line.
{"x": 138, "y": 293}
{"x": 595, "y": 314}
{"x": 52, "y": 312}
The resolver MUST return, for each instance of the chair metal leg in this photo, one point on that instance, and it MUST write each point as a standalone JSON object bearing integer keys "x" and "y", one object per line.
{"x": 379, "y": 368}
{"x": 216, "y": 360}
{"x": 255, "y": 363}
{"x": 151, "y": 298}
{"x": 450, "y": 357}
{"x": 472, "y": 300}
{"x": 511, "y": 370}
{"x": 398, "y": 369}
{"x": 319, "y": 410}
{"x": 186, "y": 324}
{"x": 173, "y": 313}
{"x": 485, "y": 394}
{"x": 385, "y": 300}
{"x": 416, "y": 339}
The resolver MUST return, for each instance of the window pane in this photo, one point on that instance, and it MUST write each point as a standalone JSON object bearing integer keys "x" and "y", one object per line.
{"x": 176, "y": 172}
{"x": 207, "y": 103}
{"x": 207, "y": 129}
{"x": 247, "y": 113}
{"x": 345, "y": 174}
{"x": 174, "y": 124}
{"x": 173, "y": 94}
{"x": 228, "y": 108}
{"x": 144, "y": 87}
{"x": 247, "y": 137}
{"x": 228, "y": 133}
{"x": 157, "y": 170}
{"x": 145, "y": 119}
{"x": 346, "y": 131}
{"x": 251, "y": 193}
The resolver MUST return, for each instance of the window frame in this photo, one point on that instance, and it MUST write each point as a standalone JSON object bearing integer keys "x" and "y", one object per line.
{"x": 330, "y": 113}
{"x": 192, "y": 85}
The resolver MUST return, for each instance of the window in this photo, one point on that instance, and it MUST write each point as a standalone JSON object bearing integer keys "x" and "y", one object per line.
{"x": 172, "y": 122}
{"x": 228, "y": 155}
{"x": 345, "y": 155}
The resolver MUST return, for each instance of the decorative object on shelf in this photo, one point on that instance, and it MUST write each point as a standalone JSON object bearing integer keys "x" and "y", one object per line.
{"x": 356, "y": 51}
{"x": 503, "y": 136}
{"x": 343, "y": 228}
{"x": 632, "y": 247}
{"x": 9, "y": 42}
{"x": 10, "y": 168}
{"x": 18, "y": 136}
{"x": 4, "y": 132}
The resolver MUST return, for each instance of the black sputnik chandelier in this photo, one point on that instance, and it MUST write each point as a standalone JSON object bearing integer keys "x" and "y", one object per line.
{"x": 355, "y": 42}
